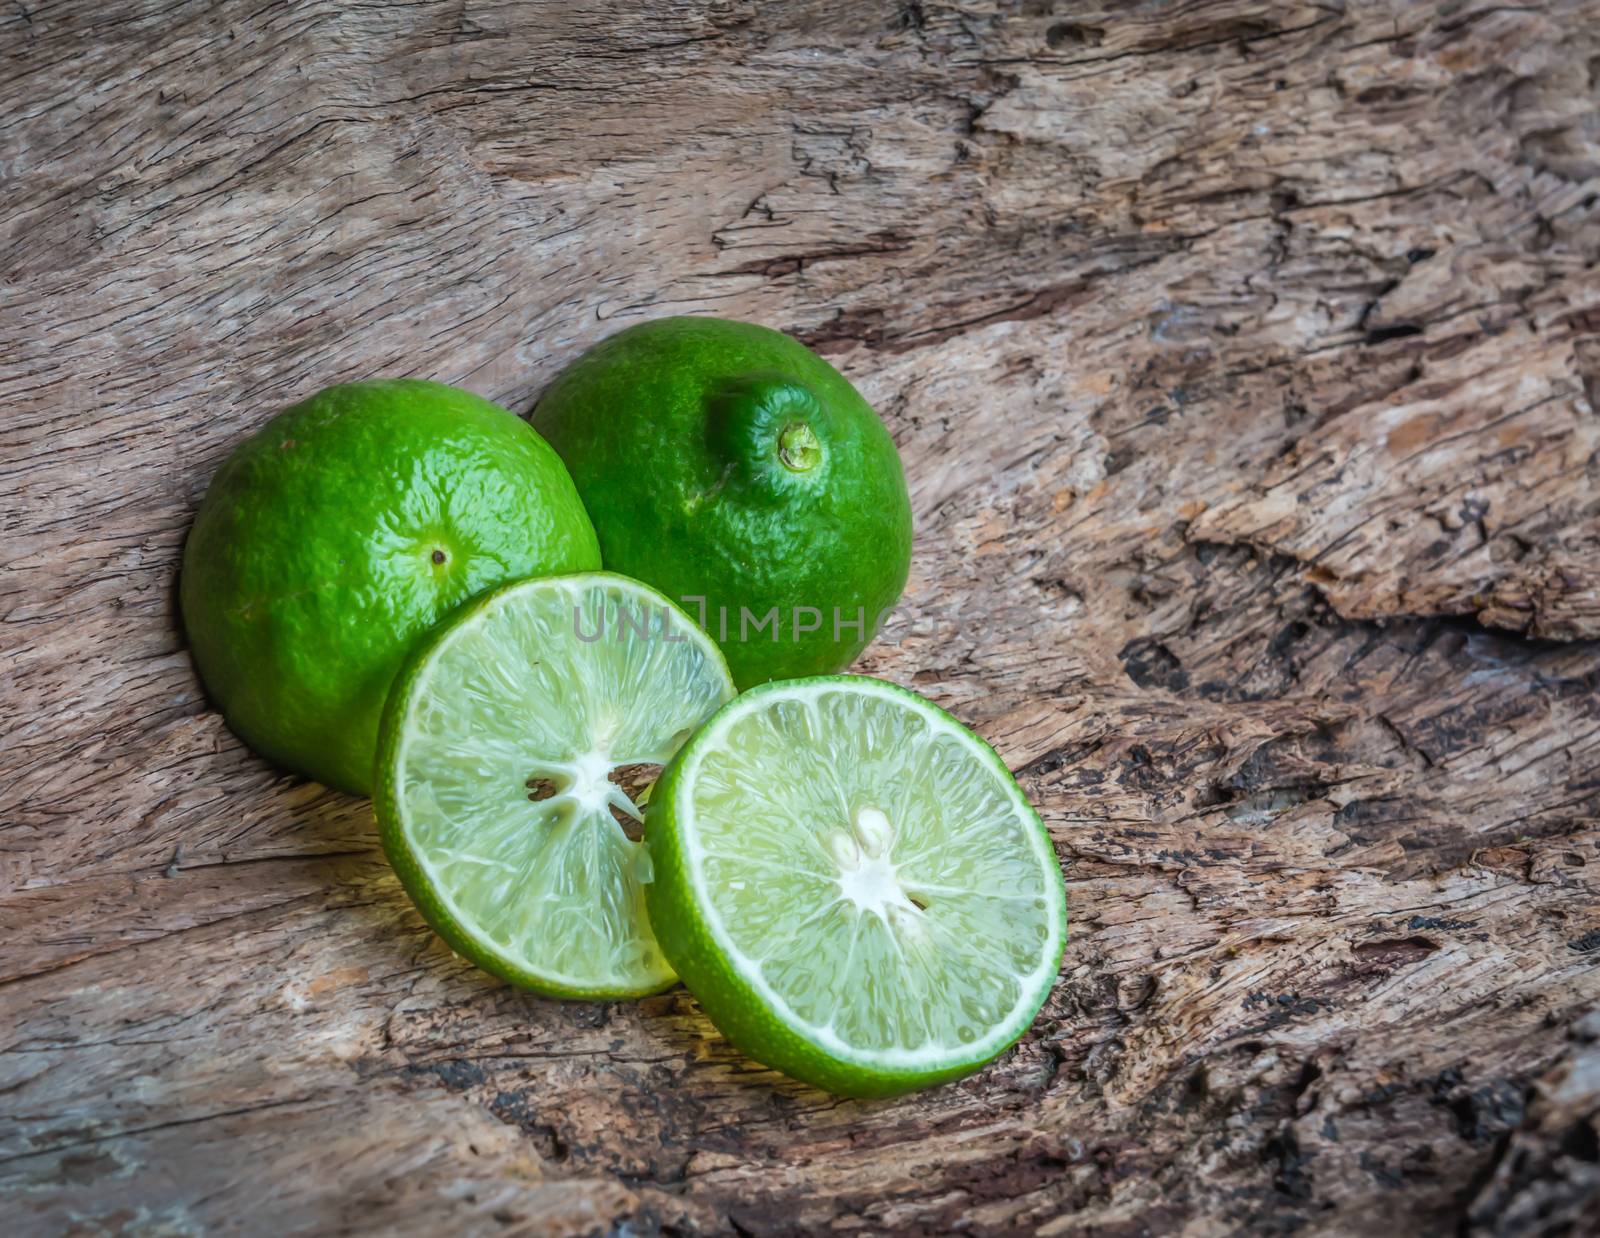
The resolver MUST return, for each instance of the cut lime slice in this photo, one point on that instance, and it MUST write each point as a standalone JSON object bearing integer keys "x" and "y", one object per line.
{"x": 498, "y": 795}
{"x": 853, "y": 886}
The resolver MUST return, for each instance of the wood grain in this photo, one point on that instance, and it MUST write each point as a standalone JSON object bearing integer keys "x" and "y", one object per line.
{"x": 1245, "y": 361}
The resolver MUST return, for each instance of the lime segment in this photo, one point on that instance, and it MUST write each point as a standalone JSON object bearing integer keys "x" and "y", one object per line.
{"x": 853, "y": 885}
{"x": 500, "y": 803}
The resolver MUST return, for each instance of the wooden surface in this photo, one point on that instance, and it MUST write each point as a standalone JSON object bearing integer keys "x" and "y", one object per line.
{"x": 1245, "y": 360}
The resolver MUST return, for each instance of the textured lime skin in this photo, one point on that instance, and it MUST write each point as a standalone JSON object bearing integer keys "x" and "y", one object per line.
{"x": 391, "y": 831}
{"x": 739, "y": 1012}
{"x": 343, "y": 529}
{"x": 674, "y": 433}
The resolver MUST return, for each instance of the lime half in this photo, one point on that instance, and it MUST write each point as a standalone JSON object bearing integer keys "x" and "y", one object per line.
{"x": 506, "y": 758}
{"x": 853, "y": 886}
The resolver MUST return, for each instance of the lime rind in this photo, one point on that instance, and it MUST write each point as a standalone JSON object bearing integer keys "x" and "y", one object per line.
{"x": 881, "y": 911}
{"x": 494, "y": 801}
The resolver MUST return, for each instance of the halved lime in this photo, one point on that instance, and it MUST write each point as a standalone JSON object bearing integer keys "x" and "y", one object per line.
{"x": 853, "y": 886}
{"x": 499, "y": 799}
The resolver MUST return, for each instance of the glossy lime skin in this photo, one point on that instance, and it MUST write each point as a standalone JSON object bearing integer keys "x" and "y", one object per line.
{"x": 342, "y": 530}
{"x": 727, "y": 462}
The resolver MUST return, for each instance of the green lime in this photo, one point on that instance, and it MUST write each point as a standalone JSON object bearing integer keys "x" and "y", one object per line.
{"x": 506, "y": 753}
{"x": 853, "y": 886}
{"x": 743, "y": 476}
{"x": 342, "y": 530}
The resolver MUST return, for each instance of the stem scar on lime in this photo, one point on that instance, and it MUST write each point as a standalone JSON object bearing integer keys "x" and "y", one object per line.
{"x": 760, "y": 421}
{"x": 798, "y": 448}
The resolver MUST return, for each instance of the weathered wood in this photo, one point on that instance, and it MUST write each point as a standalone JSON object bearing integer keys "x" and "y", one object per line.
{"x": 1245, "y": 360}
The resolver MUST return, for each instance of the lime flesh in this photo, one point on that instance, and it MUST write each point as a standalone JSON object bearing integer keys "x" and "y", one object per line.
{"x": 496, "y": 801}
{"x": 853, "y": 886}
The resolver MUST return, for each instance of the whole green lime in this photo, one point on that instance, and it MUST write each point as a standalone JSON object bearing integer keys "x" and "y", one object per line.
{"x": 740, "y": 474}
{"x": 343, "y": 529}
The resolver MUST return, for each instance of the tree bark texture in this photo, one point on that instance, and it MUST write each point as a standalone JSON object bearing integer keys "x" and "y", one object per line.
{"x": 1245, "y": 362}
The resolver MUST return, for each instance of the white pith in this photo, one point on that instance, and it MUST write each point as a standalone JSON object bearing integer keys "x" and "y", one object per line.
{"x": 585, "y": 782}
{"x": 867, "y": 876}
{"x": 859, "y": 847}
